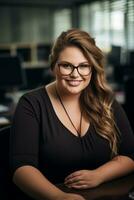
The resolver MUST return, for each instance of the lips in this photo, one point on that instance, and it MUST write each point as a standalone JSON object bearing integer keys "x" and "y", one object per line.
{"x": 74, "y": 82}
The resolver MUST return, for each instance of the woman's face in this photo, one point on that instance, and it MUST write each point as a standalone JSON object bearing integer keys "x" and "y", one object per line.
{"x": 72, "y": 83}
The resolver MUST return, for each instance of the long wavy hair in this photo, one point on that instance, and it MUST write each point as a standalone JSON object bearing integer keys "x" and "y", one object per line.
{"x": 97, "y": 98}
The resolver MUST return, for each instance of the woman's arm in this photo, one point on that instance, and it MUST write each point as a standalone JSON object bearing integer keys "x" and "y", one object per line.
{"x": 117, "y": 167}
{"x": 31, "y": 181}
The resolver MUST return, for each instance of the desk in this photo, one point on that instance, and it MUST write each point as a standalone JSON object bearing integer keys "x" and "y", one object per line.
{"x": 7, "y": 115}
{"x": 115, "y": 190}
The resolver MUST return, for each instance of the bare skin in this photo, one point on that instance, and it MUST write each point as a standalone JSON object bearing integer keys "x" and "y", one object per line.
{"x": 32, "y": 182}
{"x": 119, "y": 166}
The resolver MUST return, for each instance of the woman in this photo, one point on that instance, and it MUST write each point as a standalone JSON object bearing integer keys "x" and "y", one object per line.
{"x": 72, "y": 130}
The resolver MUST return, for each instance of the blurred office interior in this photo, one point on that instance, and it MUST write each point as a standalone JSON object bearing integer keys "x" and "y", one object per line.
{"x": 29, "y": 27}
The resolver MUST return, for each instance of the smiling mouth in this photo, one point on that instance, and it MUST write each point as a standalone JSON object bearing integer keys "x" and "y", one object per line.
{"x": 74, "y": 82}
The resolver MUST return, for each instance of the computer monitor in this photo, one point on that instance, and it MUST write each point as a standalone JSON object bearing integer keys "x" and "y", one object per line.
{"x": 12, "y": 74}
{"x": 131, "y": 58}
{"x": 43, "y": 51}
{"x": 38, "y": 76}
{"x": 34, "y": 77}
{"x": 5, "y": 51}
{"x": 24, "y": 53}
{"x": 114, "y": 56}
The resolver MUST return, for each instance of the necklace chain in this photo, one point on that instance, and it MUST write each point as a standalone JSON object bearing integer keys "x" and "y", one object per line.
{"x": 78, "y": 131}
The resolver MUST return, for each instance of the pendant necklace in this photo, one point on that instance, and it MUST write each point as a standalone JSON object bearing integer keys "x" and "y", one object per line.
{"x": 62, "y": 104}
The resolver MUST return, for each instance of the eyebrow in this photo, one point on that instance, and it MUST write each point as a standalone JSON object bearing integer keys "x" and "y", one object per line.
{"x": 85, "y": 62}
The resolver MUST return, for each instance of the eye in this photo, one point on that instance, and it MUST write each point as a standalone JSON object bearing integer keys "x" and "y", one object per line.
{"x": 65, "y": 65}
{"x": 82, "y": 66}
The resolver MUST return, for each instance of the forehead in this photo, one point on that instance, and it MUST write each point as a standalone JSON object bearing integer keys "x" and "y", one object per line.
{"x": 72, "y": 54}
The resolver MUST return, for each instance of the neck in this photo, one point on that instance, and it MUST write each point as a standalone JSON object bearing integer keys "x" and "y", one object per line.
{"x": 78, "y": 130}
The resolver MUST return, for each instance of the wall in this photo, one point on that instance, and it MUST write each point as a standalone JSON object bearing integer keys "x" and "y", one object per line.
{"x": 26, "y": 24}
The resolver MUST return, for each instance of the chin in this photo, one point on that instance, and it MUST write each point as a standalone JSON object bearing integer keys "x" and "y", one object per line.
{"x": 74, "y": 90}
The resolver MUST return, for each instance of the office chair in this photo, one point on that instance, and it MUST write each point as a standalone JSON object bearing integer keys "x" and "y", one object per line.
{"x": 129, "y": 104}
{"x": 4, "y": 146}
{"x": 8, "y": 190}
{"x": 4, "y": 161}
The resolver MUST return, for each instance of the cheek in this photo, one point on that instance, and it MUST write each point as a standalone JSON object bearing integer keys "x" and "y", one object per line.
{"x": 59, "y": 77}
{"x": 87, "y": 83}
{"x": 56, "y": 73}
{"x": 87, "y": 80}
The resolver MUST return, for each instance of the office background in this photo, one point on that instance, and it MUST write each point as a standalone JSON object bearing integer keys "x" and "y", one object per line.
{"x": 29, "y": 27}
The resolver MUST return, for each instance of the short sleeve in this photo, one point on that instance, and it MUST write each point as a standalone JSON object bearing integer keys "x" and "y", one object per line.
{"x": 126, "y": 136}
{"x": 24, "y": 137}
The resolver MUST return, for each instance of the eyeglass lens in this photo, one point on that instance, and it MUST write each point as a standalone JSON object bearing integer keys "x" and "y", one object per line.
{"x": 68, "y": 68}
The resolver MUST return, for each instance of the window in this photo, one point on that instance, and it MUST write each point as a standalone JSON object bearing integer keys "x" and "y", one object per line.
{"x": 62, "y": 21}
{"x": 110, "y": 22}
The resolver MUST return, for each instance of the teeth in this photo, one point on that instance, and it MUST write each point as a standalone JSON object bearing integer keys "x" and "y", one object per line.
{"x": 75, "y": 83}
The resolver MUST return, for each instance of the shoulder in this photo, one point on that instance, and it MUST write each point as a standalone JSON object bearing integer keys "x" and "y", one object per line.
{"x": 31, "y": 104}
{"x": 117, "y": 108}
{"x": 33, "y": 100}
{"x": 120, "y": 118}
{"x": 118, "y": 111}
{"x": 34, "y": 96}
{"x": 35, "y": 93}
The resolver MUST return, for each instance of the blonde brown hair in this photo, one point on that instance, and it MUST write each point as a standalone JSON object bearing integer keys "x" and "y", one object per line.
{"x": 96, "y": 100}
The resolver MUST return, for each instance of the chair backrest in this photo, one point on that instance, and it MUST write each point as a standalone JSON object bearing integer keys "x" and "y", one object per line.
{"x": 4, "y": 160}
{"x": 4, "y": 146}
{"x": 8, "y": 190}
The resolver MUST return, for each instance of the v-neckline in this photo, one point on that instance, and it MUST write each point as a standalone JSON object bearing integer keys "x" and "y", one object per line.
{"x": 58, "y": 119}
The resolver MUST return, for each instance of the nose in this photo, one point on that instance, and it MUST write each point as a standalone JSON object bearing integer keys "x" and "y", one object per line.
{"x": 75, "y": 72}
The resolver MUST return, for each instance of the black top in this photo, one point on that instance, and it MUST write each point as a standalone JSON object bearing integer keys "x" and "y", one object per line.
{"x": 39, "y": 138}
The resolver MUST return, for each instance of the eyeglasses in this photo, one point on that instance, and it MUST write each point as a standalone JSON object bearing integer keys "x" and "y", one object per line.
{"x": 66, "y": 68}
